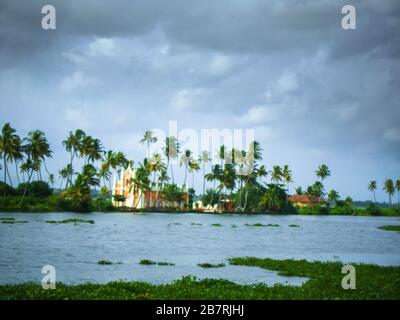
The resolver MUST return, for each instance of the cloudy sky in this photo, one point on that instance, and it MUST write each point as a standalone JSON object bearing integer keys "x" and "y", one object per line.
{"x": 313, "y": 92}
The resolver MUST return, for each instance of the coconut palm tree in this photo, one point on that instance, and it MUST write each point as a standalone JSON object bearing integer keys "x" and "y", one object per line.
{"x": 323, "y": 172}
{"x": 37, "y": 149}
{"x": 186, "y": 158}
{"x": 51, "y": 180}
{"x": 398, "y": 193}
{"x": 262, "y": 172}
{"x": 10, "y": 149}
{"x": 65, "y": 174}
{"x": 276, "y": 174}
{"x": 193, "y": 166}
{"x": 148, "y": 138}
{"x": 214, "y": 176}
{"x": 333, "y": 196}
{"x": 287, "y": 176}
{"x": 372, "y": 188}
{"x": 171, "y": 151}
{"x": 204, "y": 159}
{"x": 389, "y": 188}
{"x": 155, "y": 164}
{"x": 73, "y": 144}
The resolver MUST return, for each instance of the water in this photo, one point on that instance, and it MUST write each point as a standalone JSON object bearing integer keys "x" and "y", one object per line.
{"x": 125, "y": 237}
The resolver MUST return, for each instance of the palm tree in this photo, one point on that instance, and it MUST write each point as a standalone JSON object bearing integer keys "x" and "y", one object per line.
{"x": 372, "y": 188}
{"x": 262, "y": 172}
{"x": 388, "y": 187}
{"x": 65, "y": 174}
{"x": 323, "y": 172}
{"x": 287, "y": 176}
{"x": 398, "y": 193}
{"x": 10, "y": 149}
{"x": 73, "y": 144}
{"x": 51, "y": 180}
{"x": 213, "y": 176}
{"x": 193, "y": 166}
{"x": 276, "y": 174}
{"x": 37, "y": 149}
{"x": 171, "y": 151}
{"x": 148, "y": 138}
{"x": 186, "y": 158}
{"x": 155, "y": 165}
{"x": 204, "y": 159}
{"x": 333, "y": 196}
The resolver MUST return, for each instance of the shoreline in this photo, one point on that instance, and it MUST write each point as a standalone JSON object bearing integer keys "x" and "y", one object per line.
{"x": 324, "y": 282}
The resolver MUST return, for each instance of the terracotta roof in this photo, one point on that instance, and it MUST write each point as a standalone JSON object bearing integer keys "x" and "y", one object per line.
{"x": 302, "y": 198}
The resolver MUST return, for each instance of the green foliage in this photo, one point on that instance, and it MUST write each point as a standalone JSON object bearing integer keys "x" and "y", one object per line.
{"x": 390, "y": 228}
{"x": 313, "y": 210}
{"x": 210, "y": 265}
{"x": 274, "y": 199}
{"x": 216, "y": 225}
{"x": 294, "y": 225}
{"x": 262, "y": 225}
{"x": 104, "y": 262}
{"x": 35, "y": 189}
{"x": 147, "y": 262}
{"x": 6, "y": 190}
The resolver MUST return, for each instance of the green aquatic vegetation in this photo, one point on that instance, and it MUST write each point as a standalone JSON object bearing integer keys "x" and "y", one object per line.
{"x": 233, "y": 226}
{"x": 373, "y": 282}
{"x": 390, "y": 228}
{"x": 151, "y": 262}
{"x": 261, "y": 225}
{"x": 7, "y": 219}
{"x": 70, "y": 221}
{"x": 294, "y": 225}
{"x": 165, "y": 264}
{"x": 210, "y": 265}
{"x": 104, "y": 262}
{"x": 174, "y": 224}
{"x": 216, "y": 225}
{"x": 196, "y": 224}
{"x": 147, "y": 262}
{"x": 13, "y": 221}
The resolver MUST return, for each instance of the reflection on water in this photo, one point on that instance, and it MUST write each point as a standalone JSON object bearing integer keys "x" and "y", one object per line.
{"x": 186, "y": 240}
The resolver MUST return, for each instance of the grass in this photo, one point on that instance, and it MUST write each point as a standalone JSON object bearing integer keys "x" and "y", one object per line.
{"x": 372, "y": 282}
{"x": 151, "y": 262}
{"x": 210, "y": 265}
{"x": 216, "y": 225}
{"x": 70, "y": 221}
{"x": 390, "y": 228}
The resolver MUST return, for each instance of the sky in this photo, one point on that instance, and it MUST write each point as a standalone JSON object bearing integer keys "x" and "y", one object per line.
{"x": 312, "y": 92}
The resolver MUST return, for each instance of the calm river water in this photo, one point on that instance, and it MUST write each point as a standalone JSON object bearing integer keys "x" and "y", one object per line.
{"x": 186, "y": 240}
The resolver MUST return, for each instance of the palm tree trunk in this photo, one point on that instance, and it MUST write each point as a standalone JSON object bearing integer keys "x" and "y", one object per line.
{"x": 172, "y": 174}
{"x": 26, "y": 187}
{"x": 9, "y": 177}
{"x": 186, "y": 169}
{"x": 5, "y": 170}
{"x": 17, "y": 172}
{"x": 204, "y": 178}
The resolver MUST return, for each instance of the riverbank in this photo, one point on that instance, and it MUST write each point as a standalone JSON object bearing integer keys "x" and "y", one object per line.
{"x": 325, "y": 278}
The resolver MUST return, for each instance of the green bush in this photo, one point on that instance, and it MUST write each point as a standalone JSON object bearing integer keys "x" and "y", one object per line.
{"x": 6, "y": 190}
{"x": 35, "y": 188}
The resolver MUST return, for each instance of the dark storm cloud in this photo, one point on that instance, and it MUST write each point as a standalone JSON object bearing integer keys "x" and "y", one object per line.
{"x": 285, "y": 68}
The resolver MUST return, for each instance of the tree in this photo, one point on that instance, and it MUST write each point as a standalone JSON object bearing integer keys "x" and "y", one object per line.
{"x": 262, "y": 172}
{"x": 276, "y": 174}
{"x": 213, "y": 176}
{"x": 204, "y": 159}
{"x": 155, "y": 165}
{"x": 316, "y": 190}
{"x": 148, "y": 138}
{"x": 66, "y": 174}
{"x": 171, "y": 193}
{"x": 389, "y": 188}
{"x": 37, "y": 149}
{"x": 171, "y": 151}
{"x": 73, "y": 144}
{"x": 333, "y": 196}
{"x": 299, "y": 190}
{"x": 287, "y": 178}
{"x": 323, "y": 172}
{"x": 186, "y": 158}
{"x": 273, "y": 200}
{"x": 10, "y": 149}
{"x": 398, "y": 193}
{"x": 372, "y": 188}
{"x": 193, "y": 167}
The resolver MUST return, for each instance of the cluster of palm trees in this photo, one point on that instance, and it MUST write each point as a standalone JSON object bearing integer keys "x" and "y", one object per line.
{"x": 28, "y": 155}
{"x": 389, "y": 187}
